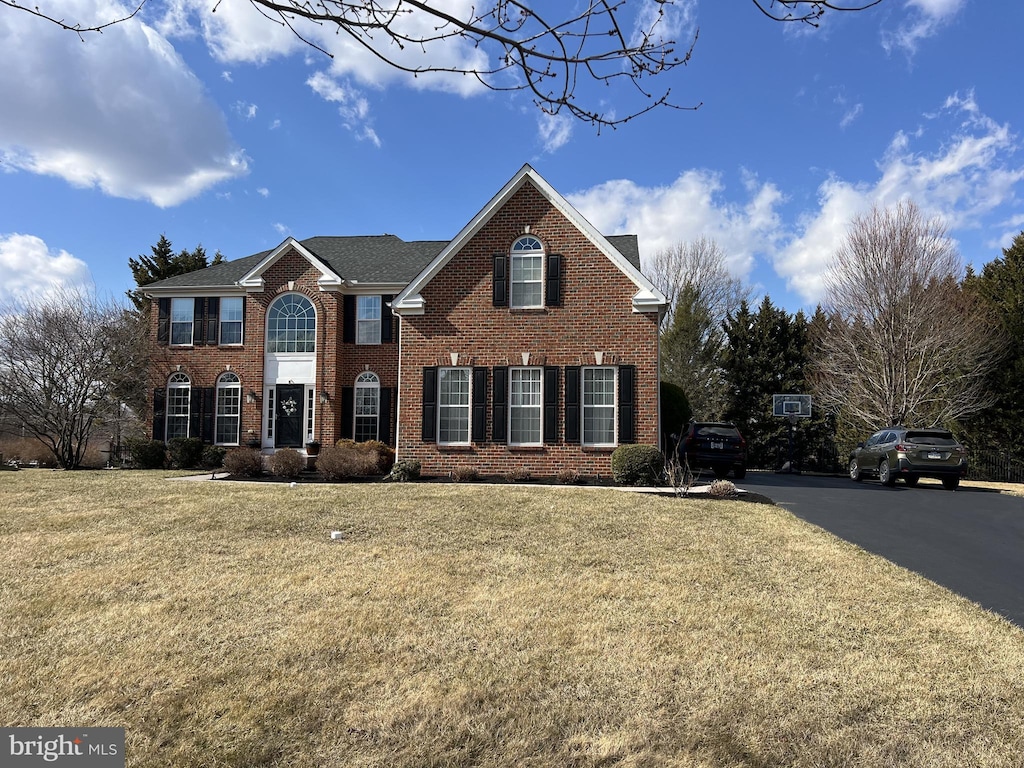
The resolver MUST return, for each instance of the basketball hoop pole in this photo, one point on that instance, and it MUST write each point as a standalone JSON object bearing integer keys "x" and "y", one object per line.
{"x": 792, "y": 430}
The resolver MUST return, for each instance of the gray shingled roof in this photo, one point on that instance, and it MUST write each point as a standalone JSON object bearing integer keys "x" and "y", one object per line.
{"x": 362, "y": 258}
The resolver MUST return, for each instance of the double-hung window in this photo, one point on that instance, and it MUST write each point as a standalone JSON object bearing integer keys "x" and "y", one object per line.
{"x": 527, "y": 273}
{"x": 229, "y": 405}
{"x": 179, "y": 396}
{"x": 231, "y": 320}
{"x": 368, "y": 320}
{"x": 599, "y": 406}
{"x": 453, "y": 404}
{"x": 182, "y": 316}
{"x": 525, "y": 406}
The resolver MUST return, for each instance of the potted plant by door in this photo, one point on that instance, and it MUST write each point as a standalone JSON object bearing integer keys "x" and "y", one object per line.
{"x": 253, "y": 441}
{"x": 312, "y": 448}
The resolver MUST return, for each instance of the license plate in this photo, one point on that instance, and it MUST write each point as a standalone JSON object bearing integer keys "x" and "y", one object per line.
{"x": 934, "y": 455}
{"x": 717, "y": 446}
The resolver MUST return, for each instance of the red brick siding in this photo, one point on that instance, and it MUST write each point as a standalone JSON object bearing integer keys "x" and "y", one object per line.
{"x": 596, "y": 316}
{"x": 337, "y": 364}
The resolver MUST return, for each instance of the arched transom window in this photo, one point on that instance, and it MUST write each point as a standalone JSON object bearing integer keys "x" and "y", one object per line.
{"x": 527, "y": 273}
{"x": 367, "y": 405}
{"x": 291, "y": 324}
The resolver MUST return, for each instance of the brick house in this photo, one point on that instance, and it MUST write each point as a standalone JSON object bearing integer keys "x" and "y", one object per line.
{"x": 528, "y": 341}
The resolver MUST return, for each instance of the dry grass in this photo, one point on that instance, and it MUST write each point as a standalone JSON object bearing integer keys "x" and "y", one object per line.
{"x": 459, "y": 625}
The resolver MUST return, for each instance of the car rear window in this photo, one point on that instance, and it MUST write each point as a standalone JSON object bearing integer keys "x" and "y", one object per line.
{"x": 716, "y": 430}
{"x": 931, "y": 438}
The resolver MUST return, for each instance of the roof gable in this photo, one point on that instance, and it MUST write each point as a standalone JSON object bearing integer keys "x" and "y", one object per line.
{"x": 647, "y": 298}
{"x": 252, "y": 280}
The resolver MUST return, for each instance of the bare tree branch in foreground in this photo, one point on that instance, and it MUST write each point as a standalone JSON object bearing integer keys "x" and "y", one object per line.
{"x": 548, "y": 57}
{"x": 906, "y": 345}
{"x": 63, "y": 362}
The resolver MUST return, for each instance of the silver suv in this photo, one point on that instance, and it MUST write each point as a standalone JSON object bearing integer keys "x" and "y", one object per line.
{"x": 898, "y": 452}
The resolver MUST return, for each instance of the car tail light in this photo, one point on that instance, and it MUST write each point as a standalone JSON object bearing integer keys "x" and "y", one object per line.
{"x": 901, "y": 447}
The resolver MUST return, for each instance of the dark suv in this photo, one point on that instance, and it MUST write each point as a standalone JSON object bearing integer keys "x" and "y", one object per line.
{"x": 898, "y": 452}
{"x": 717, "y": 446}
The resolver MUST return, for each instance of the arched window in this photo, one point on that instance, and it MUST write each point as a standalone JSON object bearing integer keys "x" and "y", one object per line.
{"x": 179, "y": 395}
{"x": 367, "y": 406}
{"x": 527, "y": 273}
{"x": 291, "y": 324}
{"x": 229, "y": 409}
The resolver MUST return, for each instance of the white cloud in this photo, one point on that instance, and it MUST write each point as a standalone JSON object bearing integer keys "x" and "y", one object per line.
{"x": 120, "y": 112}
{"x": 352, "y": 105}
{"x": 226, "y": 76}
{"x": 555, "y": 130}
{"x": 925, "y": 19}
{"x": 263, "y": 192}
{"x": 851, "y": 114}
{"x": 689, "y": 208}
{"x": 247, "y": 111}
{"x": 281, "y": 229}
{"x": 969, "y": 176}
{"x": 30, "y": 268}
{"x": 275, "y": 125}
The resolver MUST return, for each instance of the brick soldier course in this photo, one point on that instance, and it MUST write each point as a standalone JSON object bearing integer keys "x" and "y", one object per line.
{"x": 447, "y": 313}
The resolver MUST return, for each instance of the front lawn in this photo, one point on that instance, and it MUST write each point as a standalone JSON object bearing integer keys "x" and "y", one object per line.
{"x": 462, "y": 625}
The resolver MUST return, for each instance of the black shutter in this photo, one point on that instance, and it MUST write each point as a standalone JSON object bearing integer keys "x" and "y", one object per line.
{"x": 550, "y": 404}
{"x": 348, "y": 406}
{"x": 387, "y": 322}
{"x": 198, "y": 323}
{"x": 627, "y": 404}
{"x": 212, "y": 320}
{"x": 553, "y": 289}
{"x": 384, "y": 422}
{"x": 163, "y": 324}
{"x": 572, "y": 404}
{"x": 499, "y": 405}
{"x": 209, "y": 395}
{"x": 429, "y": 430}
{"x": 348, "y": 328}
{"x": 479, "y": 421}
{"x": 500, "y": 287}
{"x": 159, "y": 412}
{"x": 195, "y": 412}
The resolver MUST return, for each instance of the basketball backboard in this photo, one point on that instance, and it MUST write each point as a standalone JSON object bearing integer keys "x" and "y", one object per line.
{"x": 798, "y": 406}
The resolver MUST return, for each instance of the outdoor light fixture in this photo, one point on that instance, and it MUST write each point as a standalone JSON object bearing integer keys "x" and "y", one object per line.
{"x": 250, "y": 397}
{"x": 324, "y": 398}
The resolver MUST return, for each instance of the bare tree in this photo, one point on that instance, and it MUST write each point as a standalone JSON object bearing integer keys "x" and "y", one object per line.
{"x": 527, "y": 50}
{"x": 66, "y": 364}
{"x": 701, "y": 294}
{"x": 906, "y": 345}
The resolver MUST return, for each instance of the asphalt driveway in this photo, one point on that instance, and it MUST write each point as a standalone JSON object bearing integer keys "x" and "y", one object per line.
{"x": 970, "y": 541}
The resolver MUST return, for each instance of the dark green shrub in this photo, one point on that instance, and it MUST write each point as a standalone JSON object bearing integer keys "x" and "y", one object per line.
{"x": 213, "y": 457}
{"x": 244, "y": 462}
{"x": 185, "y": 452}
{"x": 287, "y": 462}
{"x": 637, "y": 465}
{"x": 675, "y": 414}
{"x": 148, "y": 454}
{"x": 405, "y": 471}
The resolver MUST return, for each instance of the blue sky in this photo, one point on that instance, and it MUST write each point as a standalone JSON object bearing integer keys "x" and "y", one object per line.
{"x": 222, "y": 129}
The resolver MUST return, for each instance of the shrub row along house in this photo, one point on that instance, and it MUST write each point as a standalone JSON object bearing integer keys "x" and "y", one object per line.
{"x": 528, "y": 342}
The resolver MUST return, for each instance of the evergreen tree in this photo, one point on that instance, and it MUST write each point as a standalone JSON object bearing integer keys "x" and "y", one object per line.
{"x": 164, "y": 263}
{"x": 691, "y": 351}
{"x": 1000, "y": 286}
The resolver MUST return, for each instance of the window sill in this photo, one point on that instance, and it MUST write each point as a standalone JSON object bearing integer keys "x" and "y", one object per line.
{"x": 528, "y": 310}
{"x": 455, "y": 448}
{"x": 599, "y": 448}
{"x": 526, "y": 448}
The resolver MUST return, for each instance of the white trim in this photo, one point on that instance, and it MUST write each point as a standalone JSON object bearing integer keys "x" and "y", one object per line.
{"x": 614, "y": 406}
{"x": 253, "y": 282}
{"x": 540, "y": 407}
{"x": 410, "y": 300}
{"x": 468, "y": 406}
